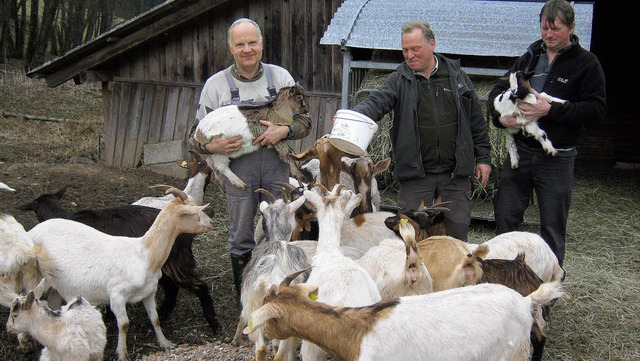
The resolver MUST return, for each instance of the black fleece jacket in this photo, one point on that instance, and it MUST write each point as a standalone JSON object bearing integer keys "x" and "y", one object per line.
{"x": 399, "y": 93}
{"x": 576, "y": 76}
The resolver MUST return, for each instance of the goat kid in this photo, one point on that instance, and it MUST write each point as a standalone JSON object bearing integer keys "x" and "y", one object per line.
{"x": 78, "y": 259}
{"x": 75, "y": 332}
{"x": 438, "y": 326}
{"x": 507, "y": 104}
{"x": 244, "y": 120}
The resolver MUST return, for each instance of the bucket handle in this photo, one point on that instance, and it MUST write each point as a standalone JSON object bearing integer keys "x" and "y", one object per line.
{"x": 362, "y": 121}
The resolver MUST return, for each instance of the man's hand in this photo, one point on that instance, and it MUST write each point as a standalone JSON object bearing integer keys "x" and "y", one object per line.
{"x": 272, "y": 135}
{"x": 537, "y": 110}
{"x": 510, "y": 121}
{"x": 482, "y": 173}
{"x": 217, "y": 145}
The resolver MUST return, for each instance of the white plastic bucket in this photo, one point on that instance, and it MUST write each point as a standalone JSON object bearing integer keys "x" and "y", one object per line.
{"x": 352, "y": 132}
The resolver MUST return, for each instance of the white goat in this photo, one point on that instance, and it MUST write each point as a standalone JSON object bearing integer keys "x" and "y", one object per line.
{"x": 271, "y": 260}
{"x": 76, "y": 332}
{"x": 19, "y": 271}
{"x": 106, "y": 269}
{"x": 233, "y": 120}
{"x": 537, "y": 253}
{"x": 18, "y": 264}
{"x": 199, "y": 177}
{"x": 507, "y": 104}
{"x": 396, "y": 267}
{"x": 482, "y": 322}
{"x": 342, "y": 280}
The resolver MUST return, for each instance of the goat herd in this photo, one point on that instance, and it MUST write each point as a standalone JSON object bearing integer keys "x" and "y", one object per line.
{"x": 332, "y": 275}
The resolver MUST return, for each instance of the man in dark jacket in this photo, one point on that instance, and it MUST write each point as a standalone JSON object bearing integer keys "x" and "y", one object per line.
{"x": 565, "y": 70}
{"x": 439, "y": 136}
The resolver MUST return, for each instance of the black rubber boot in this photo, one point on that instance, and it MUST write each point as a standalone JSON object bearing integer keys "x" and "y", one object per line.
{"x": 238, "y": 263}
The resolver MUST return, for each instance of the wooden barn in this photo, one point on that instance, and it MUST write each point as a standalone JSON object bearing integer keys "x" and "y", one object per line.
{"x": 152, "y": 69}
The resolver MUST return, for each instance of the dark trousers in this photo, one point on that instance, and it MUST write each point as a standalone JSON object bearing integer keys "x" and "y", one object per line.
{"x": 552, "y": 179}
{"x": 456, "y": 190}
{"x": 260, "y": 169}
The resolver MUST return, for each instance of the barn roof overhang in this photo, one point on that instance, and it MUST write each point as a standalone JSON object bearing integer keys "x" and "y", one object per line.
{"x": 479, "y": 28}
{"x": 74, "y": 63}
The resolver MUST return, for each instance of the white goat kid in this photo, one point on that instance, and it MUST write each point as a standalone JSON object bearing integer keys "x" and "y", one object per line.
{"x": 76, "y": 332}
{"x": 78, "y": 259}
{"x": 507, "y": 104}
{"x": 482, "y": 322}
{"x": 232, "y": 120}
{"x": 342, "y": 280}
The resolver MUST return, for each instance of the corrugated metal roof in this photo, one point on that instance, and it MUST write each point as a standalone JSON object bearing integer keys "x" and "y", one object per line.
{"x": 463, "y": 27}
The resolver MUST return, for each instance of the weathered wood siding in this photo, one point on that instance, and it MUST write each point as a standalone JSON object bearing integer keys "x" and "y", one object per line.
{"x": 155, "y": 88}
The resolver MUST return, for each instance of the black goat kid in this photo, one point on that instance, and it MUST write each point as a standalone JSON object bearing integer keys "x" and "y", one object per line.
{"x": 179, "y": 271}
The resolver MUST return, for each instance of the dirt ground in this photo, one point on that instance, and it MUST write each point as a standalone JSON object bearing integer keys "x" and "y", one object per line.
{"x": 95, "y": 186}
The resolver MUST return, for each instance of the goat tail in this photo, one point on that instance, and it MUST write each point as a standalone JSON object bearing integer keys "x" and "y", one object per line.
{"x": 546, "y": 294}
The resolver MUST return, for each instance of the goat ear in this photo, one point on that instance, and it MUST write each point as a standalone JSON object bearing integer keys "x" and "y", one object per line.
{"x": 259, "y": 318}
{"x": 407, "y": 232}
{"x": 309, "y": 291}
{"x": 381, "y": 166}
{"x": 59, "y": 194}
{"x": 31, "y": 297}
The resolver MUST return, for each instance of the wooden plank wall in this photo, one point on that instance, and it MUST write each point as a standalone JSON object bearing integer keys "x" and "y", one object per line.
{"x": 146, "y": 112}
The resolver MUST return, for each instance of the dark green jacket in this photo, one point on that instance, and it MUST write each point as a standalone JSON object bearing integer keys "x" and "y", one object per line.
{"x": 400, "y": 94}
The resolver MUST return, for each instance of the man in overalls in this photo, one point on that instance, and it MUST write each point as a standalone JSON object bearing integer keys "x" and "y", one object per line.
{"x": 249, "y": 81}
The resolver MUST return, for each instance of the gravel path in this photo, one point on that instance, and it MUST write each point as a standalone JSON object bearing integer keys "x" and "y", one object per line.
{"x": 217, "y": 351}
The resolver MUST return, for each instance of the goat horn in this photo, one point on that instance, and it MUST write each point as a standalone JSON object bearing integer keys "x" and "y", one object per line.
{"x": 172, "y": 190}
{"x": 178, "y": 193}
{"x": 291, "y": 277}
{"x": 288, "y": 186}
{"x": 270, "y": 196}
{"x": 322, "y": 187}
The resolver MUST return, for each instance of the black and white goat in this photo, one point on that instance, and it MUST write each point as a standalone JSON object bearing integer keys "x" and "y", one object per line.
{"x": 507, "y": 104}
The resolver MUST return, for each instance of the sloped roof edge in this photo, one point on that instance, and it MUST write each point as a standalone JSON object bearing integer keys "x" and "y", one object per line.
{"x": 120, "y": 38}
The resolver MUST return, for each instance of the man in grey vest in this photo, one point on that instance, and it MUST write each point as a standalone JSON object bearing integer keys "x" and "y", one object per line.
{"x": 249, "y": 81}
